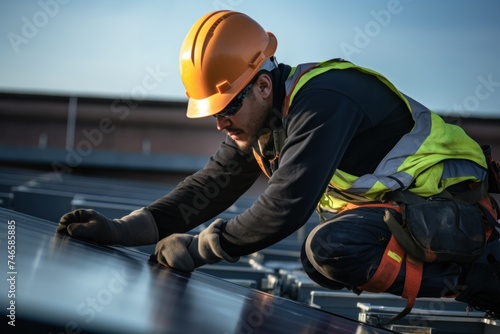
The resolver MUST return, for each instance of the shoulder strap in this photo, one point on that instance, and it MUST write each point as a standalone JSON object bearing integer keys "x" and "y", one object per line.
{"x": 493, "y": 170}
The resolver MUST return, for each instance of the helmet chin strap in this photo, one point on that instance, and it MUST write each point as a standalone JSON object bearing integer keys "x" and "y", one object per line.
{"x": 269, "y": 65}
{"x": 269, "y": 161}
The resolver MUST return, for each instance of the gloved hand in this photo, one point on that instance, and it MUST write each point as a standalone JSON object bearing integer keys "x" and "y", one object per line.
{"x": 186, "y": 252}
{"x": 137, "y": 228}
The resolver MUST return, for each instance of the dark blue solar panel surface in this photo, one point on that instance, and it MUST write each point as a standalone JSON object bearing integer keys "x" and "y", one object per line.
{"x": 66, "y": 285}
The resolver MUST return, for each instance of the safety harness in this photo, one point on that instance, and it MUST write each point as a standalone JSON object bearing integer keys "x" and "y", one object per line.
{"x": 401, "y": 248}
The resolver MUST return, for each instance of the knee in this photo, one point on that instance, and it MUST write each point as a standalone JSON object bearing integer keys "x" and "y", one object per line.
{"x": 346, "y": 242}
{"x": 347, "y": 250}
{"x": 326, "y": 255}
{"x": 316, "y": 271}
{"x": 320, "y": 244}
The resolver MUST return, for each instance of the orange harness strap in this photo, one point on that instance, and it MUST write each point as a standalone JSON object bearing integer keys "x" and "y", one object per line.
{"x": 487, "y": 204}
{"x": 413, "y": 280}
{"x": 388, "y": 270}
{"x": 388, "y": 205}
{"x": 259, "y": 160}
{"x": 390, "y": 266}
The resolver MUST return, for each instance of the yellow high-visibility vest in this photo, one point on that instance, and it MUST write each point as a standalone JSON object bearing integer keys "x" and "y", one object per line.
{"x": 431, "y": 157}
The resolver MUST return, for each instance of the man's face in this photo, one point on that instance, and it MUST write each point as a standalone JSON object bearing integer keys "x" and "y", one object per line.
{"x": 246, "y": 125}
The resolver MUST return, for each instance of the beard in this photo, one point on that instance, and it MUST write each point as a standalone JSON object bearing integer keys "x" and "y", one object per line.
{"x": 246, "y": 145}
{"x": 252, "y": 134}
{"x": 255, "y": 128}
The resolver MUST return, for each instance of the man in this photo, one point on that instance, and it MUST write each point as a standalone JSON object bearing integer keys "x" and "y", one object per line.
{"x": 329, "y": 125}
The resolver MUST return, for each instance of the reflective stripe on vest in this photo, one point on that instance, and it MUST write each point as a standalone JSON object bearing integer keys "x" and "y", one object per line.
{"x": 431, "y": 157}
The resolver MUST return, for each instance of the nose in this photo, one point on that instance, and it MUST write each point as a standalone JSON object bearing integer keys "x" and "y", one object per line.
{"x": 222, "y": 122}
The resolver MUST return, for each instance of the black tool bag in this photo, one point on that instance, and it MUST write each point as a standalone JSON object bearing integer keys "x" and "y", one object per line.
{"x": 447, "y": 227}
{"x": 439, "y": 229}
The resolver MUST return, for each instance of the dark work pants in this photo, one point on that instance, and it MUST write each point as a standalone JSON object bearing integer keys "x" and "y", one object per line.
{"x": 346, "y": 250}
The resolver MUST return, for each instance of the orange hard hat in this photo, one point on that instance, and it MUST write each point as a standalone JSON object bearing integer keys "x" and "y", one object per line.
{"x": 220, "y": 55}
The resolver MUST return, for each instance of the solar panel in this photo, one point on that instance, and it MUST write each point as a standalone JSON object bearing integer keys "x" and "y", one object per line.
{"x": 62, "y": 284}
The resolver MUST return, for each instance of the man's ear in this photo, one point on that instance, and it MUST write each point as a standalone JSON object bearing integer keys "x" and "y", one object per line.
{"x": 264, "y": 85}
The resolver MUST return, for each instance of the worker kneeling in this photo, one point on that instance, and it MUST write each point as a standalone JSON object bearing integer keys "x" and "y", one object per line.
{"x": 407, "y": 193}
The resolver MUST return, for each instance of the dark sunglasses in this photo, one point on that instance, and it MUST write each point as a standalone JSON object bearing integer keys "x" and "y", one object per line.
{"x": 235, "y": 105}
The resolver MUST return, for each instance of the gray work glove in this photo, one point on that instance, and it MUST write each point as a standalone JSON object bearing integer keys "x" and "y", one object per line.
{"x": 136, "y": 229}
{"x": 186, "y": 252}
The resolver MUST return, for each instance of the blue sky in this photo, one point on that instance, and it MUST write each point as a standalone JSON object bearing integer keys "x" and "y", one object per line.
{"x": 446, "y": 54}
